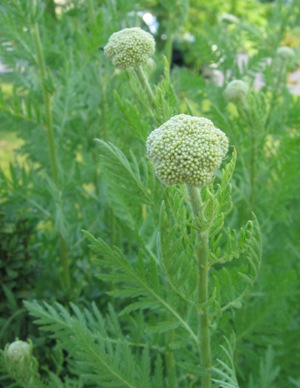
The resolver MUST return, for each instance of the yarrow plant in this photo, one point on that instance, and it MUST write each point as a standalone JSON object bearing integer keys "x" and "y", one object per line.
{"x": 186, "y": 149}
{"x": 178, "y": 273}
{"x": 176, "y": 283}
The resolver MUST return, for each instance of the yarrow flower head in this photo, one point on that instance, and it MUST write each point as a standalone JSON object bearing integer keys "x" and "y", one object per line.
{"x": 285, "y": 53}
{"x": 130, "y": 47}
{"x": 18, "y": 351}
{"x": 236, "y": 91}
{"x": 186, "y": 149}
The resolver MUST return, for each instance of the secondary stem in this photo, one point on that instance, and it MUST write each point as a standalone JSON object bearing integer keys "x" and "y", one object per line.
{"x": 51, "y": 142}
{"x": 202, "y": 252}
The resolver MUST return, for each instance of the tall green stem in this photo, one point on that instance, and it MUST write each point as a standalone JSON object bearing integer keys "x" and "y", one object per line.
{"x": 280, "y": 79}
{"x": 51, "y": 142}
{"x": 47, "y": 101}
{"x": 91, "y": 12}
{"x": 143, "y": 80}
{"x": 169, "y": 42}
{"x": 170, "y": 362}
{"x": 202, "y": 253}
{"x": 254, "y": 132}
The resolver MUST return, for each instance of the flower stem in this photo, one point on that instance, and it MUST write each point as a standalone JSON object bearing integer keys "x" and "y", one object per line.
{"x": 141, "y": 76}
{"x": 170, "y": 363}
{"x": 47, "y": 101}
{"x": 91, "y": 12}
{"x": 202, "y": 252}
{"x": 169, "y": 41}
{"x": 51, "y": 142}
{"x": 255, "y": 131}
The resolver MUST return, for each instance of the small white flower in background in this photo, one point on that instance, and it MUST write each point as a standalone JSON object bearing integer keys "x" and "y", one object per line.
{"x": 18, "y": 350}
{"x": 285, "y": 53}
{"x": 186, "y": 149}
{"x": 236, "y": 90}
{"x": 130, "y": 47}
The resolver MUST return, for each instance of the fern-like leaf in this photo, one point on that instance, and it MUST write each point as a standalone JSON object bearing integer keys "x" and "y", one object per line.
{"x": 110, "y": 363}
{"x": 139, "y": 280}
{"x": 225, "y": 370}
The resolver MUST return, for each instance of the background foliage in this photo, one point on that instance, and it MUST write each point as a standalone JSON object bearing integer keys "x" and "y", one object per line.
{"x": 108, "y": 188}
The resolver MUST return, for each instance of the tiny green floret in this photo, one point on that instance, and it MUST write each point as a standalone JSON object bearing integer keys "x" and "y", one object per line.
{"x": 186, "y": 149}
{"x": 130, "y": 47}
{"x": 236, "y": 91}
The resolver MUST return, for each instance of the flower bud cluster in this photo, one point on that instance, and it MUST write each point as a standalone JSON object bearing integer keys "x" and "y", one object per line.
{"x": 130, "y": 47}
{"x": 236, "y": 91}
{"x": 285, "y": 53}
{"x": 186, "y": 149}
{"x": 17, "y": 351}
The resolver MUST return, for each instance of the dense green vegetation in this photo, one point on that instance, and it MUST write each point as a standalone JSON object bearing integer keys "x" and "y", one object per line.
{"x": 99, "y": 267}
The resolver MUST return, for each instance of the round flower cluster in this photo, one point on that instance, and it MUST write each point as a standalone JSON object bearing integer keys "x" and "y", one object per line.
{"x": 130, "y": 47}
{"x": 18, "y": 350}
{"x": 236, "y": 90}
{"x": 285, "y": 53}
{"x": 186, "y": 149}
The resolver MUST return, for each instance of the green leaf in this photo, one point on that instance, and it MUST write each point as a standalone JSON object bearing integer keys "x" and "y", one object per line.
{"x": 139, "y": 280}
{"x": 126, "y": 183}
{"x": 225, "y": 369}
{"x": 97, "y": 357}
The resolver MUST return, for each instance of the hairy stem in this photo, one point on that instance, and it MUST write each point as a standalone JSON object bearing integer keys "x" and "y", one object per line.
{"x": 50, "y": 140}
{"x": 202, "y": 252}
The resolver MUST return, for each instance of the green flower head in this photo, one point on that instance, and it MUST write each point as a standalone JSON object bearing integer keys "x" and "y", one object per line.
{"x": 186, "y": 149}
{"x": 236, "y": 91}
{"x": 130, "y": 47}
{"x": 285, "y": 53}
{"x": 17, "y": 351}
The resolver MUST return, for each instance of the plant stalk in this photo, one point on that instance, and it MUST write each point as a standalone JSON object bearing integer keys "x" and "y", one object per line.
{"x": 202, "y": 253}
{"x": 169, "y": 42}
{"x": 170, "y": 362}
{"x": 51, "y": 142}
{"x": 141, "y": 76}
{"x": 91, "y": 12}
{"x": 249, "y": 116}
{"x": 47, "y": 102}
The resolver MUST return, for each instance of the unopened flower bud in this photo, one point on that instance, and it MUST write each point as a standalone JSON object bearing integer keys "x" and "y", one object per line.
{"x": 130, "y": 47}
{"x": 228, "y": 18}
{"x": 186, "y": 149}
{"x": 285, "y": 53}
{"x": 17, "y": 351}
{"x": 236, "y": 91}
